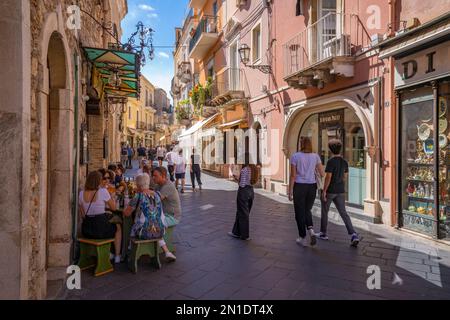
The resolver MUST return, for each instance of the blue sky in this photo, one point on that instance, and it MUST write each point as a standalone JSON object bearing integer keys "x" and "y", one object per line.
{"x": 162, "y": 16}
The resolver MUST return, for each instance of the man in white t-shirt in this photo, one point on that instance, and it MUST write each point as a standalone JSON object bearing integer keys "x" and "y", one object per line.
{"x": 171, "y": 158}
{"x": 180, "y": 170}
{"x": 160, "y": 153}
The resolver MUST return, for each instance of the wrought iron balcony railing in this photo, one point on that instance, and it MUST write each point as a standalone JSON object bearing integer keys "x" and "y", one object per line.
{"x": 336, "y": 35}
{"x": 228, "y": 85}
{"x": 208, "y": 24}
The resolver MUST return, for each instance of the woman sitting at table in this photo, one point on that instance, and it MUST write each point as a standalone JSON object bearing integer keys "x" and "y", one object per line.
{"x": 148, "y": 207}
{"x": 93, "y": 201}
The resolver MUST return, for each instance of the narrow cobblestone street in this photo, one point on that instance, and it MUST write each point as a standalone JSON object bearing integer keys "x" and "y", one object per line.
{"x": 211, "y": 265}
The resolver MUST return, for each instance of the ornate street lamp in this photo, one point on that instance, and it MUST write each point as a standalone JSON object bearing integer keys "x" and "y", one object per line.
{"x": 145, "y": 37}
{"x": 244, "y": 54}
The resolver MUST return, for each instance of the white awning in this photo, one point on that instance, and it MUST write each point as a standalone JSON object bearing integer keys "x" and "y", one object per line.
{"x": 197, "y": 126}
{"x": 232, "y": 124}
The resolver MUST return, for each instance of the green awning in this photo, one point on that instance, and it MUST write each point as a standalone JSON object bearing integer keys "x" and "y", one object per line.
{"x": 107, "y": 61}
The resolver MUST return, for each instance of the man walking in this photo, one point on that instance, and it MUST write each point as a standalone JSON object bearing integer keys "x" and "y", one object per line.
{"x": 170, "y": 158}
{"x": 180, "y": 171}
{"x": 195, "y": 170}
{"x": 336, "y": 173}
{"x": 130, "y": 154}
{"x": 160, "y": 153}
{"x": 142, "y": 153}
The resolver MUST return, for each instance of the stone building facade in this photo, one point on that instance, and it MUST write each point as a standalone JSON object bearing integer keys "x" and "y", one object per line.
{"x": 46, "y": 88}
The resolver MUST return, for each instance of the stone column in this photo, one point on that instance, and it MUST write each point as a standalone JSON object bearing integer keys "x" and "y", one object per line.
{"x": 15, "y": 78}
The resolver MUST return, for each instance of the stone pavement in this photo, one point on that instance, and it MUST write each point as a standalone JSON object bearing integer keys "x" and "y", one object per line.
{"x": 211, "y": 265}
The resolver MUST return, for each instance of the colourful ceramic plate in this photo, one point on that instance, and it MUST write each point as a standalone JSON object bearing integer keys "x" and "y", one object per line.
{"x": 443, "y": 141}
{"x": 442, "y": 106}
{"x": 443, "y": 124}
{"x": 429, "y": 146}
{"x": 424, "y": 131}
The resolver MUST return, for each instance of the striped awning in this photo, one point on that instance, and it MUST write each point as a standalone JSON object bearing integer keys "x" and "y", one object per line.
{"x": 124, "y": 63}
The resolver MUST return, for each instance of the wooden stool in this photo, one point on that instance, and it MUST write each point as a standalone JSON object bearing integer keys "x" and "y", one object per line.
{"x": 95, "y": 253}
{"x": 140, "y": 248}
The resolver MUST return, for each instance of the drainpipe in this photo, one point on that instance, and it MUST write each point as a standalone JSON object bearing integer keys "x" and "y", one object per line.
{"x": 76, "y": 160}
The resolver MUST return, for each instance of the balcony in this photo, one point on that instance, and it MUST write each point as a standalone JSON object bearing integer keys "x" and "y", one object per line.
{"x": 176, "y": 89}
{"x": 324, "y": 50}
{"x": 141, "y": 125}
{"x": 204, "y": 38}
{"x": 184, "y": 73}
{"x": 197, "y": 4}
{"x": 228, "y": 87}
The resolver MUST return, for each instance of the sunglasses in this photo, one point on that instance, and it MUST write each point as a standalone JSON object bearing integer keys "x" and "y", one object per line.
{"x": 106, "y": 178}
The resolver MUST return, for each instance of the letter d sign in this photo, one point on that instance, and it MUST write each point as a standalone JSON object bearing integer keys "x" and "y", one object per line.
{"x": 74, "y": 280}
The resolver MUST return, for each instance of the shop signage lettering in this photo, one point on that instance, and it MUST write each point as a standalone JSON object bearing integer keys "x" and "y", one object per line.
{"x": 419, "y": 223}
{"x": 410, "y": 67}
{"x": 328, "y": 119}
{"x": 333, "y": 118}
{"x": 423, "y": 66}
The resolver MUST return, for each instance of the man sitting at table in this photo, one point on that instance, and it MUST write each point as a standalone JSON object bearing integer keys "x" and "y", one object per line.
{"x": 169, "y": 196}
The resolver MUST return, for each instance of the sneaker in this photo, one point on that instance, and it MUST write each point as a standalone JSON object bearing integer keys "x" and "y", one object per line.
{"x": 313, "y": 237}
{"x": 302, "y": 242}
{"x": 355, "y": 240}
{"x": 170, "y": 257}
{"x": 231, "y": 234}
{"x": 246, "y": 239}
{"x": 323, "y": 236}
{"x": 117, "y": 259}
{"x": 111, "y": 256}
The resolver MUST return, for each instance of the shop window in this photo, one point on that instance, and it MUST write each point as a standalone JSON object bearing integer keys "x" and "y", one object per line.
{"x": 342, "y": 124}
{"x": 417, "y": 160}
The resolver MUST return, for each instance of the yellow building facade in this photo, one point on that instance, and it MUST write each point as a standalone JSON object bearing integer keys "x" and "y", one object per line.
{"x": 139, "y": 119}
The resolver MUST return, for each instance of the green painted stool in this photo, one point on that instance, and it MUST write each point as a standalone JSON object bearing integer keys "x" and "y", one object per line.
{"x": 95, "y": 253}
{"x": 141, "y": 248}
{"x": 168, "y": 238}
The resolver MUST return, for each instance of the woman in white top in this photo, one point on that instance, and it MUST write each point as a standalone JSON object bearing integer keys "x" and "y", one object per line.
{"x": 93, "y": 201}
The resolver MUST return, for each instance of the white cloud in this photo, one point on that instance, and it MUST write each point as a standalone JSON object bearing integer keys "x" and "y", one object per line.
{"x": 146, "y": 7}
{"x": 152, "y": 15}
{"x": 163, "y": 55}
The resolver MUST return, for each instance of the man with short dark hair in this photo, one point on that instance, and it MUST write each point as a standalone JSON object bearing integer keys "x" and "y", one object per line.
{"x": 336, "y": 173}
{"x": 169, "y": 196}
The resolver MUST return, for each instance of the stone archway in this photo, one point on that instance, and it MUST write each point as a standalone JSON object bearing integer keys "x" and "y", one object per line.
{"x": 59, "y": 133}
{"x": 299, "y": 114}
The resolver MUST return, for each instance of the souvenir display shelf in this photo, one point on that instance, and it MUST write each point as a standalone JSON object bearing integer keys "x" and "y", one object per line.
{"x": 420, "y": 171}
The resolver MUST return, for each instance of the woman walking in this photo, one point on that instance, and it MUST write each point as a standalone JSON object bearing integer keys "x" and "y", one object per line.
{"x": 334, "y": 191}
{"x": 196, "y": 171}
{"x": 249, "y": 176}
{"x": 306, "y": 168}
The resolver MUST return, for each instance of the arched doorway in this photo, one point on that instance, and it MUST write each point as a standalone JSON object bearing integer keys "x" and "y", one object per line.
{"x": 342, "y": 124}
{"x": 57, "y": 137}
